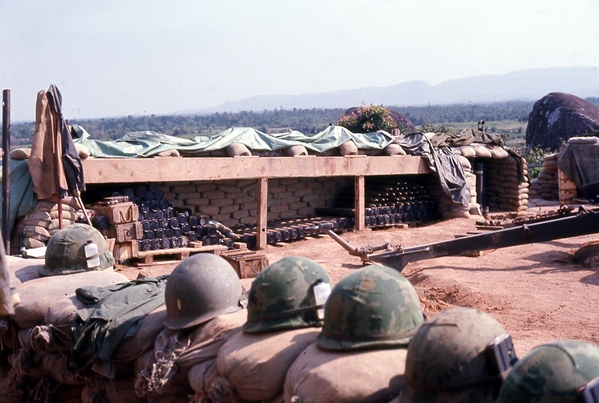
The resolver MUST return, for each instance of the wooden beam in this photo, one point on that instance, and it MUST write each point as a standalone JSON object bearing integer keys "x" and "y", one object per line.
{"x": 360, "y": 197}
{"x": 262, "y": 218}
{"x": 132, "y": 170}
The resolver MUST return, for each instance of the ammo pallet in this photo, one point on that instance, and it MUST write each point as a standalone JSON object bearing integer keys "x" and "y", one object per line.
{"x": 147, "y": 257}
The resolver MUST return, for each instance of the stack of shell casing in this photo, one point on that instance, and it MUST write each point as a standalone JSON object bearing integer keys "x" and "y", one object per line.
{"x": 168, "y": 227}
{"x": 293, "y": 229}
{"x": 390, "y": 201}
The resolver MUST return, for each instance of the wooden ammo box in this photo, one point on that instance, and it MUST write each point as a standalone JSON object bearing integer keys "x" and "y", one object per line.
{"x": 246, "y": 263}
{"x": 130, "y": 231}
{"x": 118, "y": 213}
{"x": 125, "y": 250}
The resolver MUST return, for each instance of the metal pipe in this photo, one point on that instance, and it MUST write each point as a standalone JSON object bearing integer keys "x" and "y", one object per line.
{"x": 6, "y": 168}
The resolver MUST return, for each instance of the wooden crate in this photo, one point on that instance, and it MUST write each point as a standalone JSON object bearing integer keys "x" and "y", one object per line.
{"x": 246, "y": 263}
{"x": 118, "y": 213}
{"x": 125, "y": 232}
{"x": 125, "y": 250}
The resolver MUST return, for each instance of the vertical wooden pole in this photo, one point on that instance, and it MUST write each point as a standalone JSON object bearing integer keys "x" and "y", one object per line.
{"x": 262, "y": 219}
{"x": 360, "y": 197}
{"x": 6, "y": 169}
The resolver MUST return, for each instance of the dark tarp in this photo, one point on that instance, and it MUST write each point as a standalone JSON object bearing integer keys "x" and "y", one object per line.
{"x": 580, "y": 162}
{"x": 442, "y": 161}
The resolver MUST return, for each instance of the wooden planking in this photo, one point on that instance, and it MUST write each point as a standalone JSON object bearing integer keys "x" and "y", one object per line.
{"x": 262, "y": 219}
{"x": 359, "y": 203}
{"x": 132, "y": 170}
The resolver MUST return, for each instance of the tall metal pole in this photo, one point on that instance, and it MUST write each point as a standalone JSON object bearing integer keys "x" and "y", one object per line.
{"x": 5, "y": 168}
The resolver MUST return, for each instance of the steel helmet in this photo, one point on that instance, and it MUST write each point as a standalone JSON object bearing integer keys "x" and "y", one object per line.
{"x": 448, "y": 359}
{"x": 200, "y": 288}
{"x": 371, "y": 308}
{"x": 65, "y": 252}
{"x": 553, "y": 372}
{"x": 283, "y": 296}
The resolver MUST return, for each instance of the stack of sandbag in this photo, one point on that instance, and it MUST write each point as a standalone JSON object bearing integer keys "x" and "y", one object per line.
{"x": 546, "y": 184}
{"x": 507, "y": 189}
{"x": 40, "y": 224}
{"x": 36, "y": 350}
{"x": 162, "y": 372}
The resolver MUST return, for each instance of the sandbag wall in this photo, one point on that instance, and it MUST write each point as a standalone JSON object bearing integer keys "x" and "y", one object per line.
{"x": 546, "y": 184}
{"x": 234, "y": 203}
{"x": 34, "y": 229}
{"x": 506, "y": 189}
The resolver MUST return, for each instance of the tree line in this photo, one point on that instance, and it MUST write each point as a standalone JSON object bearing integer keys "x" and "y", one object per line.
{"x": 307, "y": 121}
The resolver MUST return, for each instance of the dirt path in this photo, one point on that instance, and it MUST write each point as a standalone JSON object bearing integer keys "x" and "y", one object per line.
{"x": 536, "y": 291}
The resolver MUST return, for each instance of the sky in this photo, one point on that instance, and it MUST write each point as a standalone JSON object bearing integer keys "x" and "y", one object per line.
{"x": 114, "y": 58}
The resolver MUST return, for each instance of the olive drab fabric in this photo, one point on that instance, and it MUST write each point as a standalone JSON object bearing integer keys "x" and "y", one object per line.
{"x": 6, "y": 299}
{"x": 447, "y": 359}
{"x": 552, "y": 372}
{"x": 373, "y": 307}
{"x": 200, "y": 288}
{"x": 282, "y": 296}
{"x": 65, "y": 253}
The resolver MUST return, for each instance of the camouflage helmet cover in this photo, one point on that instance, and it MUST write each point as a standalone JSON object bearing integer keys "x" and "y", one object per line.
{"x": 200, "y": 288}
{"x": 282, "y": 296}
{"x": 65, "y": 252}
{"x": 447, "y": 358}
{"x": 552, "y": 372}
{"x": 373, "y": 307}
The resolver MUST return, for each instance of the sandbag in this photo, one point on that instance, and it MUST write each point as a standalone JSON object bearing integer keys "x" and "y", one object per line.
{"x": 238, "y": 150}
{"x": 38, "y": 294}
{"x": 296, "y": 150}
{"x": 367, "y": 376}
{"x": 9, "y": 390}
{"x": 176, "y": 351}
{"x": 254, "y": 365}
{"x": 498, "y": 152}
{"x": 59, "y": 319}
{"x": 468, "y": 152}
{"x": 55, "y": 365}
{"x": 394, "y": 149}
{"x": 483, "y": 152}
{"x": 151, "y": 326}
{"x": 104, "y": 390}
{"x": 21, "y": 270}
{"x": 20, "y": 154}
{"x": 201, "y": 377}
{"x": 82, "y": 151}
{"x": 348, "y": 148}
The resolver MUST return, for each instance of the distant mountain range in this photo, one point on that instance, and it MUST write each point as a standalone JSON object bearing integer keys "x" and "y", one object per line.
{"x": 523, "y": 85}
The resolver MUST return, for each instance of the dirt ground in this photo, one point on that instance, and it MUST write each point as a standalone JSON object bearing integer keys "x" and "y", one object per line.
{"x": 536, "y": 291}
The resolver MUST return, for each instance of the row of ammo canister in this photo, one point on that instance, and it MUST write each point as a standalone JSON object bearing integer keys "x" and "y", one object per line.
{"x": 293, "y": 230}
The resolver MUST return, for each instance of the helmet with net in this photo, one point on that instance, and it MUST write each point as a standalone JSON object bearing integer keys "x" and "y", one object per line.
{"x": 74, "y": 249}
{"x": 284, "y": 296}
{"x": 374, "y": 307}
{"x": 554, "y": 372}
{"x": 451, "y": 358}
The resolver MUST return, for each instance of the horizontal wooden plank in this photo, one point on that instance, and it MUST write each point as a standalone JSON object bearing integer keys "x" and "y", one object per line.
{"x": 132, "y": 170}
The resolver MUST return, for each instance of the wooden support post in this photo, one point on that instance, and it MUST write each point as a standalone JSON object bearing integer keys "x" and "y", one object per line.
{"x": 262, "y": 218}
{"x": 359, "y": 202}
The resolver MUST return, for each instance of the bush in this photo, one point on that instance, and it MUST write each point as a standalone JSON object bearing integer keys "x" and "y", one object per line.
{"x": 368, "y": 119}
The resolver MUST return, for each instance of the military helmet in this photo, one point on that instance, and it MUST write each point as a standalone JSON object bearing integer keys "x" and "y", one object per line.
{"x": 65, "y": 252}
{"x": 553, "y": 372}
{"x": 448, "y": 359}
{"x": 373, "y": 307}
{"x": 200, "y": 288}
{"x": 283, "y": 296}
